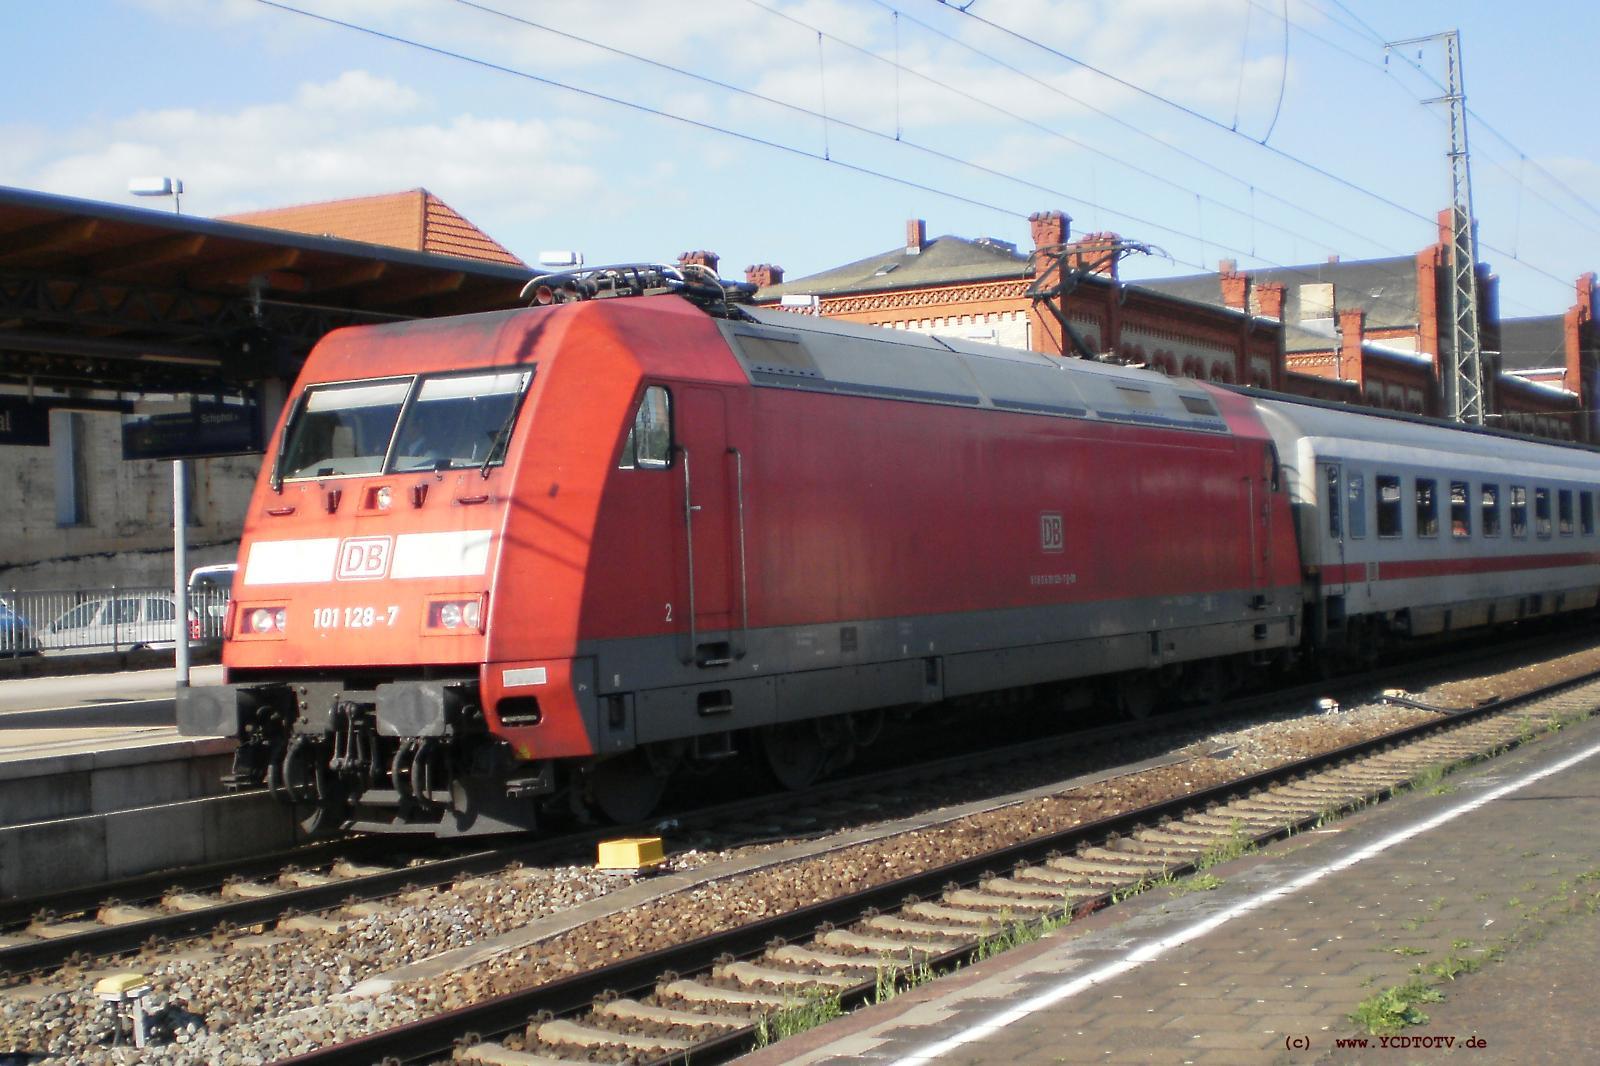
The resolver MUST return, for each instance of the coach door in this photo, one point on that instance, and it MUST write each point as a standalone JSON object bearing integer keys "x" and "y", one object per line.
{"x": 1333, "y": 562}
{"x": 712, "y": 528}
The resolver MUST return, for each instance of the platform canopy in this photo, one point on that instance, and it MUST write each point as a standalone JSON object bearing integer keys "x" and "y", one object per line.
{"x": 111, "y": 297}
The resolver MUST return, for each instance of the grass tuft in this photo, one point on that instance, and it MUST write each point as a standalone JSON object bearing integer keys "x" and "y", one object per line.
{"x": 1391, "y": 1010}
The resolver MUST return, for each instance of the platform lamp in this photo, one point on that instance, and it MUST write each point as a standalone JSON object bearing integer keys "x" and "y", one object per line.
{"x": 172, "y": 187}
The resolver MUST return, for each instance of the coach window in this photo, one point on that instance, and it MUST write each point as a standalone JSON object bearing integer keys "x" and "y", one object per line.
{"x": 1564, "y": 512}
{"x": 1541, "y": 511}
{"x": 1490, "y": 510}
{"x": 1388, "y": 505}
{"x": 649, "y": 443}
{"x": 1355, "y": 505}
{"x": 1586, "y": 513}
{"x": 1460, "y": 509}
{"x": 1519, "y": 511}
{"x": 1427, "y": 507}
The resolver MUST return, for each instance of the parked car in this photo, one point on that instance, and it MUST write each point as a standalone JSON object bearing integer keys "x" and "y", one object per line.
{"x": 209, "y": 590}
{"x": 118, "y": 623}
{"x": 16, "y": 637}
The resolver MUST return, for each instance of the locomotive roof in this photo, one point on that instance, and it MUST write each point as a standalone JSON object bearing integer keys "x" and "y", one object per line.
{"x": 779, "y": 349}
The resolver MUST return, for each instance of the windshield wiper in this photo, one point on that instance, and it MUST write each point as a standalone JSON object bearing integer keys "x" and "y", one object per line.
{"x": 500, "y": 437}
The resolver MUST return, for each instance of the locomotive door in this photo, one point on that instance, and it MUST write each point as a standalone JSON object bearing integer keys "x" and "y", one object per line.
{"x": 1258, "y": 520}
{"x": 710, "y": 539}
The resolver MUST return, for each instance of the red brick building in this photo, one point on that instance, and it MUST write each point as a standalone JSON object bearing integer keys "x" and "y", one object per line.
{"x": 978, "y": 289}
{"x": 1367, "y": 332}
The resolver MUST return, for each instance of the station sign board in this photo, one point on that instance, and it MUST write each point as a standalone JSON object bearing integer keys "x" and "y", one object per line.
{"x": 191, "y": 429}
{"x": 24, "y": 422}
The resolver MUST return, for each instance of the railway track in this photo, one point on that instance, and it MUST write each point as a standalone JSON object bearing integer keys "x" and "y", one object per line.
{"x": 289, "y": 891}
{"x": 314, "y": 888}
{"x": 716, "y": 996}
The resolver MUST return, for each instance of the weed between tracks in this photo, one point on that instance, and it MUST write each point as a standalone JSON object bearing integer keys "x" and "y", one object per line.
{"x": 893, "y": 980}
{"x": 1016, "y": 933}
{"x": 814, "y": 1010}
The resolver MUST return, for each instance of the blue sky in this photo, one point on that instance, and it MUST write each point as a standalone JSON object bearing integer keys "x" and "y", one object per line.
{"x": 257, "y": 107}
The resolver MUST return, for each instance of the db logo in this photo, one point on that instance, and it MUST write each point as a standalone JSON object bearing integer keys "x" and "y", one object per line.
{"x": 1052, "y": 537}
{"x": 362, "y": 558}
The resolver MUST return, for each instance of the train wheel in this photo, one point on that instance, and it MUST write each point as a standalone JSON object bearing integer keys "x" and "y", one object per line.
{"x": 627, "y": 788}
{"x": 1137, "y": 697}
{"x": 793, "y": 753}
{"x": 318, "y": 818}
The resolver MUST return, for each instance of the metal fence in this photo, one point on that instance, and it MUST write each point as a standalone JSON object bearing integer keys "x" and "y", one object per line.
{"x": 109, "y": 619}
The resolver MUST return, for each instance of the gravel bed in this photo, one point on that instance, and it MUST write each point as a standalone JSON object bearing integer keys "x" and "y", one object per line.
{"x": 235, "y": 1024}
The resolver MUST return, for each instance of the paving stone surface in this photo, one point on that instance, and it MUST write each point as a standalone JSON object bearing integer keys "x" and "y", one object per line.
{"x": 1496, "y": 908}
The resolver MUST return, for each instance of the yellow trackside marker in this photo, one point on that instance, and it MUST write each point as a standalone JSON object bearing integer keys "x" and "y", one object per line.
{"x": 121, "y": 985}
{"x": 636, "y": 854}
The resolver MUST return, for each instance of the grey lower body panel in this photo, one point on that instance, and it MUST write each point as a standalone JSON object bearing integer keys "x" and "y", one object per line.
{"x": 798, "y": 672}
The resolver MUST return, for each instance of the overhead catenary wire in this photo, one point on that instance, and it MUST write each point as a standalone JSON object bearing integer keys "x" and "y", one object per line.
{"x": 1283, "y": 78}
{"x": 1375, "y": 37}
{"x": 1134, "y": 128}
{"x": 899, "y": 139}
{"x": 633, "y": 105}
{"x": 1052, "y": 132}
{"x": 1223, "y": 126}
{"x": 753, "y": 139}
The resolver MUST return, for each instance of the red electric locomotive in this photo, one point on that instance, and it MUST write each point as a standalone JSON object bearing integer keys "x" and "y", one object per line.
{"x": 548, "y": 555}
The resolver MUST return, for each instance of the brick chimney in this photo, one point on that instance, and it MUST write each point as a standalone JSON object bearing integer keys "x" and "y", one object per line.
{"x": 709, "y": 260}
{"x": 1269, "y": 299}
{"x": 1235, "y": 286}
{"x": 1092, "y": 252}
{"x": 916, "y": 235}
{"x": 1447, "y": 226}
{"x": 764, "y": 275}
{"x": 1049, "y": 227}
{"x": 1352, "y": 335}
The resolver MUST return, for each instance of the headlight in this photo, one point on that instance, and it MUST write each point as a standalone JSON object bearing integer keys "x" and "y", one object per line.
{"x": 266, "y": 622}
{"x": 457, "y": 614}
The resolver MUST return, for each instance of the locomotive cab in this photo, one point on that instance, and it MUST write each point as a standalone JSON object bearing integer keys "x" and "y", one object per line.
{"x": 362, "y": 610}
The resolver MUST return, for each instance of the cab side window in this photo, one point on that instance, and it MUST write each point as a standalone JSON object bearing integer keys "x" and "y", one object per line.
{"x": 649, "y": 443}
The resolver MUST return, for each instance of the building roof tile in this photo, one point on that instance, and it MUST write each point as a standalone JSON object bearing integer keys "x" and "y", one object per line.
{"x": 415, "y": 219}
{"x": 943, "y": 260}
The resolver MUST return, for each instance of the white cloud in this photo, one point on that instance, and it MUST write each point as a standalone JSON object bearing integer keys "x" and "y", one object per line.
{"x": 357, "y": 91}
{"x": 357, "y": 134}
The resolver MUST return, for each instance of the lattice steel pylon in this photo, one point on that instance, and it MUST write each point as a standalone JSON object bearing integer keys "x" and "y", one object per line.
{"x": 1463, "y": 367}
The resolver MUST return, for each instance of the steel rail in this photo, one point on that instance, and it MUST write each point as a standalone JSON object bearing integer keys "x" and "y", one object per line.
{"x": 35, "y": 956}
{"x": 436, "y": 1037}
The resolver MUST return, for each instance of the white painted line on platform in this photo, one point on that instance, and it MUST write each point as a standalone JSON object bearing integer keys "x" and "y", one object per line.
{"x": 1157, "y": 948}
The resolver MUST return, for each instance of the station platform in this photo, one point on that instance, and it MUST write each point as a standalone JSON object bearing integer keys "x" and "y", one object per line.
{"x": 1484, "y": 890}
{"x": 97, "y": 785}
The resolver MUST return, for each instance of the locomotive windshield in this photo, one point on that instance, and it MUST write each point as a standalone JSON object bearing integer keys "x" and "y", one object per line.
{"x": 433, "y": 422}
{"x": 343, "y": 429}
{"x": 462, "y": 420}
